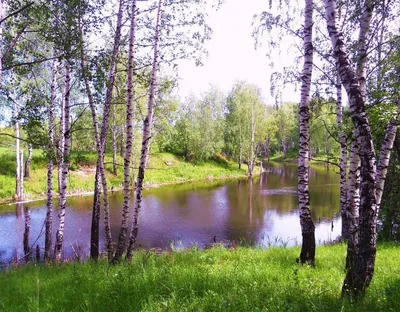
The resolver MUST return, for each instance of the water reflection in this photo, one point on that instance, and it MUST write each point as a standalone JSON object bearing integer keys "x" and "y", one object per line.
{"x": 263, "y": 210}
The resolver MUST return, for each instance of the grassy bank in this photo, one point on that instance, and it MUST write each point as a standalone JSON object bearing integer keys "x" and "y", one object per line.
{"x": 162, "y": 168}
{"x": 243, "y": 279}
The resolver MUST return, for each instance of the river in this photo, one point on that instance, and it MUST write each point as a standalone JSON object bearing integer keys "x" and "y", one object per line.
{"x": 262, "y": 212}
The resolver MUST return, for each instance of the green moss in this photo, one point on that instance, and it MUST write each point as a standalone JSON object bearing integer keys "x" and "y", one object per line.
{"x": 242, "y": 279}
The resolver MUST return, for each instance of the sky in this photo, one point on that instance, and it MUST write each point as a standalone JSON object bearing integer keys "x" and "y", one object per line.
{"x": 232, "y": 55}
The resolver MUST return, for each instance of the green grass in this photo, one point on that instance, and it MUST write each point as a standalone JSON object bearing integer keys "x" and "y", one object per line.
{"x": 162, "y": 168}
{"x": 243, "y": 279}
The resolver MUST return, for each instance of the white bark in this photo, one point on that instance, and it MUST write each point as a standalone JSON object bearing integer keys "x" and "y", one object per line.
{"x": 307, "y": 254}
{"x": 353, "y": 203}
{"x": 21, "y": 174}
{"x": 365, "y": 22}
{"x": 17, "y": 156}
{"x": 64, "y": 166}
{"x": 147, "y": 124}
{"x": 61, "y": 141}
{"x": 28, "y": 161}
{"x": 343, "y": 159}
{"x": 253, "y": 131}
{"x": 384, "y": 157}
{"x": 27, "y": 248}
{"x": 114, "y": 142}
{"x": 94, "y": 233}
{"x": 2, "y": 13}
{"x": 130, "y": 111}
{"x": 49, "y": 203}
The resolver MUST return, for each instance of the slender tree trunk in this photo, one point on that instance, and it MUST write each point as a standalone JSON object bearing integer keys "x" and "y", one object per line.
{"x": 17, "y": 156}
{"x": 352, "y": 205}
{"x": 49, "y": 203}
{"x": 104, "y": 129}
{"x": 384, "y": 157}
{"x": 240, "y": 158}
{"x": 27, "y": 248}
{"x": 28, "y": 161}
{"x": 114, "y": 142}
{"x": 147, "y": 124}
{"x": 95, "y": 227}
{"x": 122, "y": 149}
{"x": 130, "y": 111}
{"x": 307, "y": 254}
{"x": 284, "y": 149}
{"x": 343, "y": 160}
{"x": 64, "y": 166}
{"x": 21, "y": 173}
{"x": 266, "y": 150}
{"x": 61, "y": 142}
{"x": 2, "y": 3}
{"x": 251, "y": 156}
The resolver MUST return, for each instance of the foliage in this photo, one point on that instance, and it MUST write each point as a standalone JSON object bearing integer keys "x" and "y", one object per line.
{"x": 245, "y": 110}
{"x": 197, "y": 134}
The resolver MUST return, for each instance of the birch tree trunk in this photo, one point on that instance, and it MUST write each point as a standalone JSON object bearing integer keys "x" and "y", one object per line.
{"x": 94, "y": 231}
{"x": 352, "y": 205}
{"x": 64, "y": 165}
{"x": 95, "y": 227}
{"x": 147, "y": 123}
{"x": 284, "y": 149}
{"x": 27, "y": 248}
{"x": 104, "y": 129}
{"x": 21, "y": 173}
{"x": 307, "y": 254}
{"x": 2, "y": 13}
{"x": 253, "y": 130}
{"x": 130, "y": 111}
{"x": 101, "y": 143}
{"x": 114, "y": 142}
{"x": 49, "y": 203}
{"x": 343, "y": 160}
{"x": 122, "y": 149}
{"x": 17, "y": 156}
{"x": 28, "y": 161}
{"x": 384, "y": 157}
{"x": 267, "y": 148}
{"x": 61, "y": 142}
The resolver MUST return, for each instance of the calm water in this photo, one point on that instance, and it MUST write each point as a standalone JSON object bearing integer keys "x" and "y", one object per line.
{"x": 263, "y": 211}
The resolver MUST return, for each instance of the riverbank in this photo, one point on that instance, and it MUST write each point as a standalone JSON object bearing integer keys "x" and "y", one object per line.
{"x": 239, "y": 279}
{"x": 162, "y": 169}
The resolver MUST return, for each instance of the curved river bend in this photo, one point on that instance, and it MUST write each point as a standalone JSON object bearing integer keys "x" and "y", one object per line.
{"x": 261, "y": 212}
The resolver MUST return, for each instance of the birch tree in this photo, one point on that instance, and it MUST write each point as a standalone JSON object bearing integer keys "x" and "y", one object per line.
{"x": 343, "y": 159}
{"x": 360, "y": 274}
{"x": 130, "y": 111}
{"x": 307, "y": 254}
{"x": 100, "y": 140}
{"x": 146, "y": 137}
{"x": 49, "y": 202}
{"x": 64, "y": 165}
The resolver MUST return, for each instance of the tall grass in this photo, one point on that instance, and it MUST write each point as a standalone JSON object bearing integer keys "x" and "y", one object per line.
{"x": 242, "y": 279}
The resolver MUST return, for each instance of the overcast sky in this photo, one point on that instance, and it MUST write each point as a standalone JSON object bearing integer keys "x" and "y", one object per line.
{"x": 231, "y": 53}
